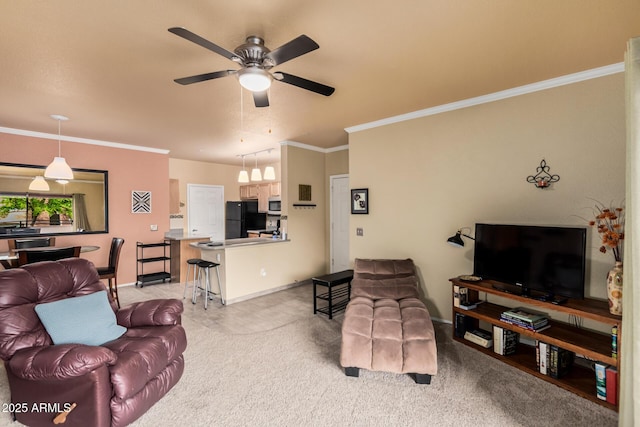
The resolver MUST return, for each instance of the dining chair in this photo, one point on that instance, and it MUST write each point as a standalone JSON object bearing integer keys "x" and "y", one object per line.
{"x": 110, "y": 272}
{"x": 52, "y": 254}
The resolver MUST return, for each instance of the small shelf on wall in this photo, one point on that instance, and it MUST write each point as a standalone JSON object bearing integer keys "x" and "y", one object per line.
{"x": 304, "y": 205}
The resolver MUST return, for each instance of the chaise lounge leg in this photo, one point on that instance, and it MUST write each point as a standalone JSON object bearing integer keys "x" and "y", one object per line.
{"x": 422, "y": 378}
{"x": 352, "y": 372}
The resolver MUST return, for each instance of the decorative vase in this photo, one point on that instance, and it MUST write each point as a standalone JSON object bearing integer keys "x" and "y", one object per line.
{"x": 614, "y": 289}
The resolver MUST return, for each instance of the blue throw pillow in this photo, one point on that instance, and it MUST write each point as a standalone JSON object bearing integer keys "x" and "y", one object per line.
{"x": 88, "y": 319}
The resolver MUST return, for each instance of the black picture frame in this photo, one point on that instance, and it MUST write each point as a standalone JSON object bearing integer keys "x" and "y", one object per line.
{"x": 360, "y": 201}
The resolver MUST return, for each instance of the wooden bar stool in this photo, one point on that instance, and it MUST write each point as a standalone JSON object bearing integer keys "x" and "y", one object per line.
{"x": 192, "y": 264}
{"x": 206, "y": 266}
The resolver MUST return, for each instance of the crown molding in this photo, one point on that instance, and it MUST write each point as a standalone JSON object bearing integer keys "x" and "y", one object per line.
{"x": 82, "y": 140}
{"x": 313, "y": 147}
{"x": 484, "y": 99}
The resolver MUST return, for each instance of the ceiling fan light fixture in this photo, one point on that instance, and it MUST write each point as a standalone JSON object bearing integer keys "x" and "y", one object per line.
{"x": 254, "y": 79}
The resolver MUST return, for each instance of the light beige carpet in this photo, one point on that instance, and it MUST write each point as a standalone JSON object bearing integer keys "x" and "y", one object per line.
{"x": 282, "y": 368}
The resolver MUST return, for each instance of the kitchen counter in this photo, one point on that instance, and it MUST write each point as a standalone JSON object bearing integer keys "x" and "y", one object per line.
{"x": 181, "y": 251}
{"x": 248, "y": 267}
{"x": 179, "y": 235}
{"x": 231, "y": 243}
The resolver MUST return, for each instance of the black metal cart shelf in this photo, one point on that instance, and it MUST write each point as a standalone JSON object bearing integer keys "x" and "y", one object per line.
{"x": 165, "y": 258}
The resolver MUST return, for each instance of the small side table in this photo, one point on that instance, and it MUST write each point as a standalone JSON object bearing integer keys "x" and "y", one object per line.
{"x": 335, "y": 297}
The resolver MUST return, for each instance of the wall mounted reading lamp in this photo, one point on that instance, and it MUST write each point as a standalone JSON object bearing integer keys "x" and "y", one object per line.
{"x": 456, "y": 240}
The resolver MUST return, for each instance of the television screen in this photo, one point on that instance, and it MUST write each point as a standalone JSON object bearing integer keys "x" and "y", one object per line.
{"x": 549, "y": 260}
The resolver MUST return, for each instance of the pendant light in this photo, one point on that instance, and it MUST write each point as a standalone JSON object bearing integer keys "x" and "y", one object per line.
{"x": 269, "y": 173}
{"x": 256, "y": 175}
{"x": 58, "y": 168}
{"x": 244, "y": 176}
{"x": 39, "y": 184}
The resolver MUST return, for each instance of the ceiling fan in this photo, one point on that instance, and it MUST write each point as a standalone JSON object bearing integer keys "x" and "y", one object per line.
{"x": 256, "y": 61}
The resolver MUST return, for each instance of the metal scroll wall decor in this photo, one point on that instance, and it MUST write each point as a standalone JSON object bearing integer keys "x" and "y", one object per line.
{"x": 542, "y": 178}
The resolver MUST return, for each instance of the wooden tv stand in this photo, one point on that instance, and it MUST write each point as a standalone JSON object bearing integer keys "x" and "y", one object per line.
{"x": 591, "y": 344}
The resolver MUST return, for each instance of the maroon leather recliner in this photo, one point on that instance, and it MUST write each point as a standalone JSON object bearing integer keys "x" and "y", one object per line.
{"x": 110, "y": 385}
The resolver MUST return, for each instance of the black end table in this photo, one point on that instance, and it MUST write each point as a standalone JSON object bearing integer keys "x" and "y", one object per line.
{"x": 335, "y": 297}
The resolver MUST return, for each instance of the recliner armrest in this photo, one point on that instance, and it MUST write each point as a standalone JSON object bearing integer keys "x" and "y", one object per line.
{"x": 59, "y": 361}
{"x": 157, "y": 312}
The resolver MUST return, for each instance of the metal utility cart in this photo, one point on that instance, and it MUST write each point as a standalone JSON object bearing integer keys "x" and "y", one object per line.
{"x": 147, "y": 253}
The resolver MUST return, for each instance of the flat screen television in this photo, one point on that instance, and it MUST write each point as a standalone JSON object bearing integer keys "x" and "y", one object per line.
{"x": 550, "y": 261}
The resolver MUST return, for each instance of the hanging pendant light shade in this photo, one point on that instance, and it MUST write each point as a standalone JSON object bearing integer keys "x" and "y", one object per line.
{"x": 256, "y": 175}
{"x": 269, "y": 173}
{"x": 243, "y": 177}
{"x": 39, "y": 184}
{"x": 59, "y": 169}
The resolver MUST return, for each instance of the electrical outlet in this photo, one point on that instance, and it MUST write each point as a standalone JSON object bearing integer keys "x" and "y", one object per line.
{"x": 154, "y": 227}
{"x": 359, "y": 231}
{"x": 263, "y": 272}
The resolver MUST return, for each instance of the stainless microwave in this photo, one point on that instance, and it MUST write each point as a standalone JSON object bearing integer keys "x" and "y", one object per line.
{"x": 275, "y": 205}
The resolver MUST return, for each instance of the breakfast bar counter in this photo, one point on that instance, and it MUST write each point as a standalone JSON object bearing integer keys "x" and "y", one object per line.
{"x": 249, "y": 267}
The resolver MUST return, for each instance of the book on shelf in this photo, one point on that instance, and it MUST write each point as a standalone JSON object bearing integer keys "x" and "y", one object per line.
{"x": 525, "y": 314}
{"x": 560, "y": 361}
{"x": 614, "y": 341}
{"x": 601, "y": 380}
{"x": 535, "y": 327}
{"x": 505, "y": 341}
{"x": 611, "y": 374}
{"x": 460, "y": 295}
{"x": 543, "y": 357}
{"x": 469, "y": 305}
{"x": 480, "y": 337}
{"x": 463, "y": 323}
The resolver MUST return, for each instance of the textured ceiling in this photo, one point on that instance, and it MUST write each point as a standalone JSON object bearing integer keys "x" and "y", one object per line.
{"x": 109, "y": 65}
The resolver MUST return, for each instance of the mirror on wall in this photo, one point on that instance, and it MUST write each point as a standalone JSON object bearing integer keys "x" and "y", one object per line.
{"x": 31, "y": 205}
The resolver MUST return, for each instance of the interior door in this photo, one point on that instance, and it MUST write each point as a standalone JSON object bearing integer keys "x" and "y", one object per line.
{"x": 340, "y": 211}
{"x": 205, "y": 210}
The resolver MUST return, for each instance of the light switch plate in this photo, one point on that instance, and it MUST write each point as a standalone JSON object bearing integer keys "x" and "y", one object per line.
{"x": 359, "y": 231}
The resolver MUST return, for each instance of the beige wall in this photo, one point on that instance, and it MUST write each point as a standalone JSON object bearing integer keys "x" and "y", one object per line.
{"x": 193, "y": 172}
{"x": 129, "y": 170}
{"x": 428, "y": 177}
{"x": 305, "y": 226}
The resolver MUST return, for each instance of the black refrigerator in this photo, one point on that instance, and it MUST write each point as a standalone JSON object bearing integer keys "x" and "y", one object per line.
{"x": 243, "y": 216}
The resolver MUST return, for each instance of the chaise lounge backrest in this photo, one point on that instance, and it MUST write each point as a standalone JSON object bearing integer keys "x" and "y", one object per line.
{"x": 377, "y": 279}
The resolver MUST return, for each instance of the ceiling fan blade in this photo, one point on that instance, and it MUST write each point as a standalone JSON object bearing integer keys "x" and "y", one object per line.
{"x": 293, "y": 49}
{"x": 261, "y": 99}
{"x": 186, "y": 34}
{"x": 304, "y": 83}
{"x": 203, "y": 77}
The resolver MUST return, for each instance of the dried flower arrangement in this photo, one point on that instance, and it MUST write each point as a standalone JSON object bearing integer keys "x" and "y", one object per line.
{"x": 609, "y": 222}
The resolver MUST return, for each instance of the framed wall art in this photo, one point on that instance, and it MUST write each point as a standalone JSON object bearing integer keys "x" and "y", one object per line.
{"x": 141, "y": 202}
{"x": 360, "y": 201}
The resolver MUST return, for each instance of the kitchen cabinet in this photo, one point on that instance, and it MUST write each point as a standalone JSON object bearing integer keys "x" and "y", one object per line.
{"x": 274, "y": 189}
{"x": 174, "y": 196}
{"x": 261, "y": 192}
{"x": 181, "y": 251}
